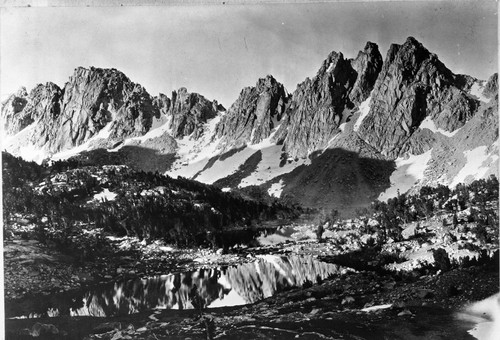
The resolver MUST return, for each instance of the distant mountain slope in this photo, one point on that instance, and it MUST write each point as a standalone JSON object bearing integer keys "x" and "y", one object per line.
{"x": 360, "y": 129}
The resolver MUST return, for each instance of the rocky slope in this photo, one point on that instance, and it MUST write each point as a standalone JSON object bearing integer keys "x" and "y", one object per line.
{"x": 422, "y": 124}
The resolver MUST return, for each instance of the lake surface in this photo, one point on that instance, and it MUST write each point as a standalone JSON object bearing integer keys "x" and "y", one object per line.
{"x": 202, "y": 288}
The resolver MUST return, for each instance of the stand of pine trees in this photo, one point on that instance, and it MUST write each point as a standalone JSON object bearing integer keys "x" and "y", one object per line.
{"x": 58, "y": 200}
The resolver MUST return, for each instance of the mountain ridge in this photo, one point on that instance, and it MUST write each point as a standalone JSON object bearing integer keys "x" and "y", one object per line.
{"x": 399, "y": 108}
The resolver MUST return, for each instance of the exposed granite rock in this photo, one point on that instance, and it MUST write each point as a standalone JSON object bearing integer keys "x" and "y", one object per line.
{"x": 189, "y": 111}
{"x": 448, "y": 153}
{"x": 43, "y": 107}
{"x": 368, "y": 65}
{"x": 419, "y": 142}
{"x": 106, "y": 95}
{"x": 317, "y": 107}
{"x": 491, "y": 87}
{"x": 255, "y": 113}
{"x": 413, "y": 85}
{"x": 13, "y": 120}
{"x": 320, "y": 105}
{"x": 89, "y": 101}
{"x": 162, "y": 102}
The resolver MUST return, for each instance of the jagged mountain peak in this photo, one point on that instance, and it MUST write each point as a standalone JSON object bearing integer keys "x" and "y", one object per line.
{"x": 268, "y": 82}
{"x": 367, "y": 65}
{"x": 319, "y": 106}
{"x": 22, "y": 92}
{"x": 253, "y": 116}
{"x": 189, "y": 112}
{"x": 91, "y": 70}
{"x": 491, "y": 87}
{"x": 329, "y": 63}
{"x": 370, "y": 48}
{"x": 414, "y": 85}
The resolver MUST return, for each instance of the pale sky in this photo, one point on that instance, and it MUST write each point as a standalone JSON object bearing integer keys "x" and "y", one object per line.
{"x": 216, "y": 50}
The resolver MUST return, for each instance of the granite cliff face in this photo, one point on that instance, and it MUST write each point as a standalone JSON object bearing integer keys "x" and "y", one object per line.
{"x": 256, "y": 112}
{"x": 491, "y": 87}
{"x": 92, "y": 99}
{"x": 367, "y": 65}
{"x": 413, "y": 85}
{"x": 319, "y": 106}
{"x": 188, "y": 113}
{"x": 13, "y": 120}
{"x": 100, "y": 103}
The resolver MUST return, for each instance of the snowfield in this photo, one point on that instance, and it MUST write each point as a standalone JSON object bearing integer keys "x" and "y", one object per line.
{"x": 276, "y": 189}
{"x": 268, "y": 168}
{"x": 102, "y": 134}
{"x": 20, "y": 142}
{"x": 228, "y": 166}
{"x": 428, "y": 123}
{"x": 476, "y": 166}
{"x": 194, "y": 155}
{"x": 477, "y": 91}
{"x": 408, "y": 172}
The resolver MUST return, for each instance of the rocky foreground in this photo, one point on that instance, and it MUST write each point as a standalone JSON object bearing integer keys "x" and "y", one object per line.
{"x": 396, "y": 292}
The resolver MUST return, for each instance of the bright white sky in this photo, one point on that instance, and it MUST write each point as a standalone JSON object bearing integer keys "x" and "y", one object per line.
{"x": 217, "y": 50}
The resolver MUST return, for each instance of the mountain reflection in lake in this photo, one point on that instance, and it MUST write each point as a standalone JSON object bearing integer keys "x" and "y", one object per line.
{"x": 218, "y": 287}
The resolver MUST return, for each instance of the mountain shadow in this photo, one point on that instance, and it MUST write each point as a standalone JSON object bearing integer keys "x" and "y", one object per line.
{"x": 220, "y": 157}
{"x": 244, "y": 170}
{"x": 337, "y": 178}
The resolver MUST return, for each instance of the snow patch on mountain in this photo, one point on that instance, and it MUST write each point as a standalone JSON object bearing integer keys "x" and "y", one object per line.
{"x": 408, "y": 172}
{"x": 477, "y": 91}
{"x": 477, "y": 164}
{"x": 364, "y": 109}
{"x": 192, "y": 154}
{"x": 226, "y": 167}
{"x": 276, "y": 189}
{"x": 20, "y": 145}
{"x": 65, "y": 154}
{"x": 428, "y": 123}
{"x": 330, "y": 67}
{"x": 32, "y": 154}
{"x": 269, "y": 167}
{"x": 156, "y": 131}
{"x": 105, "y": 195}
